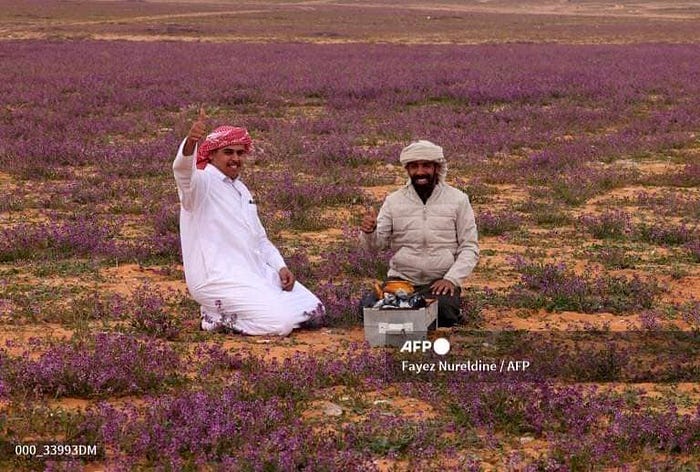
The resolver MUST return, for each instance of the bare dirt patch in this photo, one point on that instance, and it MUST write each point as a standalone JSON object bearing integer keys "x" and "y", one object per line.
{"x": 323, "y": 342}
{"x": 125, "y": 278}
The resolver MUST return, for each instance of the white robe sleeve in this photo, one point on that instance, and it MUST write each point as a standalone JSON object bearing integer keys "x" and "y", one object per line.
{"x": 190, "y": 187}
{"x": 268, "y": 251}
{"x": 272, "y": 256}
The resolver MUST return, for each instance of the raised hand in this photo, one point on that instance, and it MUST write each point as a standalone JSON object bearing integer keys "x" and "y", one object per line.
{"x": 199, "y": 127}
{"x": 197, "y": 131}
{"x": 369, "y": 220}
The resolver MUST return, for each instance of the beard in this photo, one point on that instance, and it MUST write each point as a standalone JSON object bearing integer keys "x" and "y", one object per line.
{"x": 425, "y": 188}
{"x": 427, "y": 185}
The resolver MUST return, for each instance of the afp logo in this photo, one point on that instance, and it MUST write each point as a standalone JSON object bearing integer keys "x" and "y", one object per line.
{"x": 440, "y": 346}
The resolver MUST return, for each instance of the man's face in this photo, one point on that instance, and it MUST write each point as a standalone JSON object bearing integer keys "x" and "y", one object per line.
{"x": 423, "y": 174}
{"x": 229, "y": 159}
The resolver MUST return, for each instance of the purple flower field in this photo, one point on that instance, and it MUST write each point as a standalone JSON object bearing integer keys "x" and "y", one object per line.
{"x": 581, "y": 162}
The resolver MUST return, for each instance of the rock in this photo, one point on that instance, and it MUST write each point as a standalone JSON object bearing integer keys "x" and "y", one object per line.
{"x": 331, "y": 409}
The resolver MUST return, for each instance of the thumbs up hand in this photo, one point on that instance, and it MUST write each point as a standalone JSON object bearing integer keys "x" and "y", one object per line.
{"x": 199, "y": 127}
{"x": 369, "y": 221}
{"x": 197, "y": 132}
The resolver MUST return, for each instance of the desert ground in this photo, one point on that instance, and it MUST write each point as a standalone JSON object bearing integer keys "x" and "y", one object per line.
{"x": 571, "y": 125}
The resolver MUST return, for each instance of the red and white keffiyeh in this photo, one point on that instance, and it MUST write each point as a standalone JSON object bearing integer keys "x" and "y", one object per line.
{"x": 221, "y": 137}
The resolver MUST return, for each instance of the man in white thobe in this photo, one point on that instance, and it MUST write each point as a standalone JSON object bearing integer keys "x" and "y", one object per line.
{"x": 232, "y": 270}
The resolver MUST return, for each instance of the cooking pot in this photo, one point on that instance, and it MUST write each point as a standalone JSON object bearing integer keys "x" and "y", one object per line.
{"x": 392, "y": 286}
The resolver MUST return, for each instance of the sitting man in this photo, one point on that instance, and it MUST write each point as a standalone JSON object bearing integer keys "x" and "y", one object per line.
{"x": 232, "y": 270}
{"x": 430, "y": 227}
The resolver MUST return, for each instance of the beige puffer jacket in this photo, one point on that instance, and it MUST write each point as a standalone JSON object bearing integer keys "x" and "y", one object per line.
{"x": 430, "y": 241}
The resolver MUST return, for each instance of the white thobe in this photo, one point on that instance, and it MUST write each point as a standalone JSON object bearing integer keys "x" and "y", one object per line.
{"x": 231, "y": 268}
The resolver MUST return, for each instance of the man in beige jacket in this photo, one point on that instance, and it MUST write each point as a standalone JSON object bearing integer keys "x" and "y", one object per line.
{"x": 430, "y": 227}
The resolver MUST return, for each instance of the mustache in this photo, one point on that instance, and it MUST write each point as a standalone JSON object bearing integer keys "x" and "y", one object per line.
{"x": 431, "y": 178}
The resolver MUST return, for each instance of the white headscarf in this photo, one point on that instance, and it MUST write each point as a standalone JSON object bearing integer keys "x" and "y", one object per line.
{"x": 425, "y": 151}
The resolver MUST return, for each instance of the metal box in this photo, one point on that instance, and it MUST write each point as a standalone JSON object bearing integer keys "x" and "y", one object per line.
{"x": 392, "y": 327}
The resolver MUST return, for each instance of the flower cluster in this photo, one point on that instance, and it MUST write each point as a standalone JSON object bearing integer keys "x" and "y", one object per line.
{"x": 555, "y": 287}
{"x": 96, "y": 366}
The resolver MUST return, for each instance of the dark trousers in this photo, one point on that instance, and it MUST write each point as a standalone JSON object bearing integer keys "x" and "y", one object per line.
{"x": 449, "y": 306}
